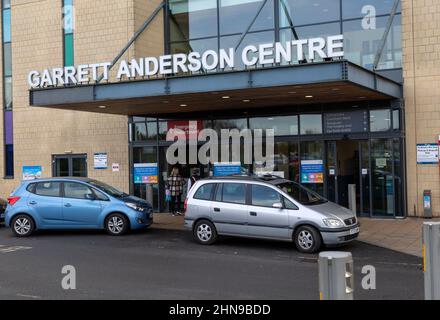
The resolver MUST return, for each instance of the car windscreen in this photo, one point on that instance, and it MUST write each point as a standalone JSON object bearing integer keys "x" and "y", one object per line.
{"x": 107, "y": 189}
{"x": 301, "y": 194}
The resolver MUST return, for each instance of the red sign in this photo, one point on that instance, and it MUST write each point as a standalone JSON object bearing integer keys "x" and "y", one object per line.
{"x": 191, "y": 129}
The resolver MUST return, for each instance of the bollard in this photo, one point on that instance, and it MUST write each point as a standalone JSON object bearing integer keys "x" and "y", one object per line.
{"x": 336, "y": 278}
{"x": 431, "y": 259}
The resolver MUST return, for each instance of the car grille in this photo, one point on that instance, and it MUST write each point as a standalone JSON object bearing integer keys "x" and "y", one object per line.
{"x": 350, "y": 222}
{"x": 348, "y": 238}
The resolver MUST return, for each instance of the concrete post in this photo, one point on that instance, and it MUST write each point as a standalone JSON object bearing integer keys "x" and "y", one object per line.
{"x": 352, "y": 198}
{"x": 336, "y": 276}
{"x": 431, "y": 259}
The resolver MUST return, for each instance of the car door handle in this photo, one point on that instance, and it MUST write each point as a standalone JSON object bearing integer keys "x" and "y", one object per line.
{"x": 67, "y": 205}
{"x": 216, "y": 209}
{"x": 33, "y": 202}
{"x": 253, "y": 213}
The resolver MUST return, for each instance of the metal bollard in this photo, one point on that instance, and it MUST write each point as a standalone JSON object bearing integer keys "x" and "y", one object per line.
{"x": 431, "y": 259}
{"x": 336, "y": 278}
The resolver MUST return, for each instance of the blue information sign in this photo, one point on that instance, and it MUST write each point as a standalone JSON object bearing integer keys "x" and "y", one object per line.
{"x": 145, "y": 173}
{"x": 226, "y": 169}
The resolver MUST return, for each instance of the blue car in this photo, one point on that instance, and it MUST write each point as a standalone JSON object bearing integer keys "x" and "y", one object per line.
{"x": 74, "y": 204}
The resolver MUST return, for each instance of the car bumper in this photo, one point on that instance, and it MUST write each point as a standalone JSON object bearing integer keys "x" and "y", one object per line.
{"x": 141, "y": 222}
{"x": 188, "y": 224}
{"x": 339, "y": 237}
{"x": 2, "y": 217}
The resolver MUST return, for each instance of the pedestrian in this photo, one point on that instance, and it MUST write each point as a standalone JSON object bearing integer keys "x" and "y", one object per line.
{"x": 194, "y": 177}
{"x": 175, "y": 183}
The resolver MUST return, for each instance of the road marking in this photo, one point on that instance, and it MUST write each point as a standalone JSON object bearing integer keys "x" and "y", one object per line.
{"x": 28, "y": 296}
{"x": 5, "y": 249}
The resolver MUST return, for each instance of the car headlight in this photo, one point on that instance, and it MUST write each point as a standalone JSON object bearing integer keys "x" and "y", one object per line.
{"x": 134, "y": 206}
{"x": 333, "y": 223}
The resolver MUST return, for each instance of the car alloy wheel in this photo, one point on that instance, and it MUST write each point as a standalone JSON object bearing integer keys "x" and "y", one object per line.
{"x": 22, "y": 226}
{"x": 116, "y": 225}
{"x": 204, "y": 232}
{"x": 305, "y": 240}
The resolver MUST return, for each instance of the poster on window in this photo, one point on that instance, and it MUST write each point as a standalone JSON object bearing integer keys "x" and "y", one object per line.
{"x": 145, "y": 173}
{"x": 223, "y": 169}
{"x": 312, "y": 171}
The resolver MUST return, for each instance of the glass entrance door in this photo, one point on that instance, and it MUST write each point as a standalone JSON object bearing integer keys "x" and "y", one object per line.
{"x": 74, "y": 165}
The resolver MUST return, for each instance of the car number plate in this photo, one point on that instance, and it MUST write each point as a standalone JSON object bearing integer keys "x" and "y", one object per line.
{"x": 354, "y": 231}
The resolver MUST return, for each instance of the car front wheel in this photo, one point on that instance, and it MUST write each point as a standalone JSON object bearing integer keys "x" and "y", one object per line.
{"x": 23, "y": 226}
{"x": 307, "y": 239}
{"x": 116, "y": 224}
{"x": 205, "y": 232}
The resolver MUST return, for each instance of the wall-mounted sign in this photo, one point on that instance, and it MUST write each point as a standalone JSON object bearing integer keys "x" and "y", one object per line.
{"x": 32, "y": 172}
{"x": 251, "y": 55}
{"x": 427, "y": 153}
{"x": 100, "y": 161}
{"x": 346, "y": 122}
{"x": 191, "y": 129}
{"x": 223, "y": 169}
{"x": 115, "y": 167}
{"x": 145, "y": 173}
{"x": 312, "y": 171}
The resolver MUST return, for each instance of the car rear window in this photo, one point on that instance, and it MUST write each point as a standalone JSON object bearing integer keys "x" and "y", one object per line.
{"x": 205, "y": 192}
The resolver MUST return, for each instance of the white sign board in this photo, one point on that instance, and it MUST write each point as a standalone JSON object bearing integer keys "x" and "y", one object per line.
{"x": 100, "y": 161}
{"x": 427, "y": 153}
{"x": 115, "y": 167}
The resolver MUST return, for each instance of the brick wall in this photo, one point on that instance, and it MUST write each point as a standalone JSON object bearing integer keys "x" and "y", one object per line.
{"x": 421, "y": 50}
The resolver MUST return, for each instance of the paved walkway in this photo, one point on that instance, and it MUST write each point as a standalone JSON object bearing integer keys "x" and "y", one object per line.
{"x": 403, "y": 235}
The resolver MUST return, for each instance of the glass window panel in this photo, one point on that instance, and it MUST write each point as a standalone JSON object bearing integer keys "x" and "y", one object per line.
{"x": 48, "y": 189}
{"x": 312, "y": 150}
{"x": 397, "y": 154}
{"x": 7, "y": 25}
{"x": 8, "y": 93}
{"x": 264, "y": 196}
{"x": 79, "y": 167}
{"x": 380, "y": 120}
{"x": 76, "y": 190}
{"x": 68, "y": 50}
{"x": 6, "y": 4}
{"x": 361, "y": 45}
{"x": 229, "y": 124}
{"x": 250, "y": 39}
{"x": 62, "y": 167}
{"x": 9, "y": 150}
{"x": 396, "y": 120}
{"x": 320, "y": 30}
{"x": 311, "y": 124}
{"x": 361, "y": 8}
{"x": 234, "y": 193}
{"x": 204, "y": 192}
{"x": 68, "y": 16}
{"x": 7, "y": 54}
{"x": 382, "y": 177}
{"x": 283, "y": 126}
{"x": 144, "y": 131}
{"x": 301, "y": 12}
{"x": 191, "y": 19}
{"x": 236, "y": 15}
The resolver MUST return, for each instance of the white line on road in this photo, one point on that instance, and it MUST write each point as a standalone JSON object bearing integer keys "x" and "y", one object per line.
{"x": 4, "y": 249}
{"x": 28, "y": 296}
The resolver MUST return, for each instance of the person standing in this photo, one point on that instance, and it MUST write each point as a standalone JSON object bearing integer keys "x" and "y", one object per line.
{"x": 193, "y": 179}
{"x": 175, "y": 184}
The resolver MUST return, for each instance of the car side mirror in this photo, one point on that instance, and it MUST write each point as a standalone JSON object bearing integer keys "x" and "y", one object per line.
{"x": 278, "y": 205}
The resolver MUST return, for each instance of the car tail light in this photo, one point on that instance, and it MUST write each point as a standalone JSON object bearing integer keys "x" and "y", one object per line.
{"x": 13, "y": 200}
{"x": 185, "y": 205}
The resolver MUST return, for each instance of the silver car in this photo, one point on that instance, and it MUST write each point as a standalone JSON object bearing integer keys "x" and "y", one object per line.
{"x": 266, "y": 207}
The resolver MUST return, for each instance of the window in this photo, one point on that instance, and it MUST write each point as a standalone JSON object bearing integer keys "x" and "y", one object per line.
{"x": 236, "y": 15}
{"x": 396, "y": 120}
{"x": 9, "y": 172}
{"x": 282, "y": 126}
{"x": 234, "y": 193}
{"x": 48, "y": 189}
{"x": 380, "y": 120}
{"x": 360, "y": 8}
{"x": 264, "y": 196}
{"x": 68, "y": 28}
{"x": 204, "y": 192}
{"x": 218, "y": 194}
{"x": 300, "y": 12}
{"x": 289, "y": 205}
{"x": 76, "y": 191}
{"x": 100, "y": 196}
{"x": 69, "y": 166}
{"x": 311, "y": 124}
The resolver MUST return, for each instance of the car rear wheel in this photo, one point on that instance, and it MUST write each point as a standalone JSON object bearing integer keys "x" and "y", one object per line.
{"x": 307, "y": 239}
{"x": 23, "y": 226}
{"x": 116, "y": 224}
{"x": 205, "y": 232}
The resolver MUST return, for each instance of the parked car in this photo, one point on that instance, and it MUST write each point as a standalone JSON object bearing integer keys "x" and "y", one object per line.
{"x": 74, "y": 203}
{"x": 3, "y": 204}
{"x": 266, "y": 207}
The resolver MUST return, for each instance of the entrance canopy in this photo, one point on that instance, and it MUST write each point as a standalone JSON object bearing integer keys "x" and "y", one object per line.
{"x": 326, "y": 82}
